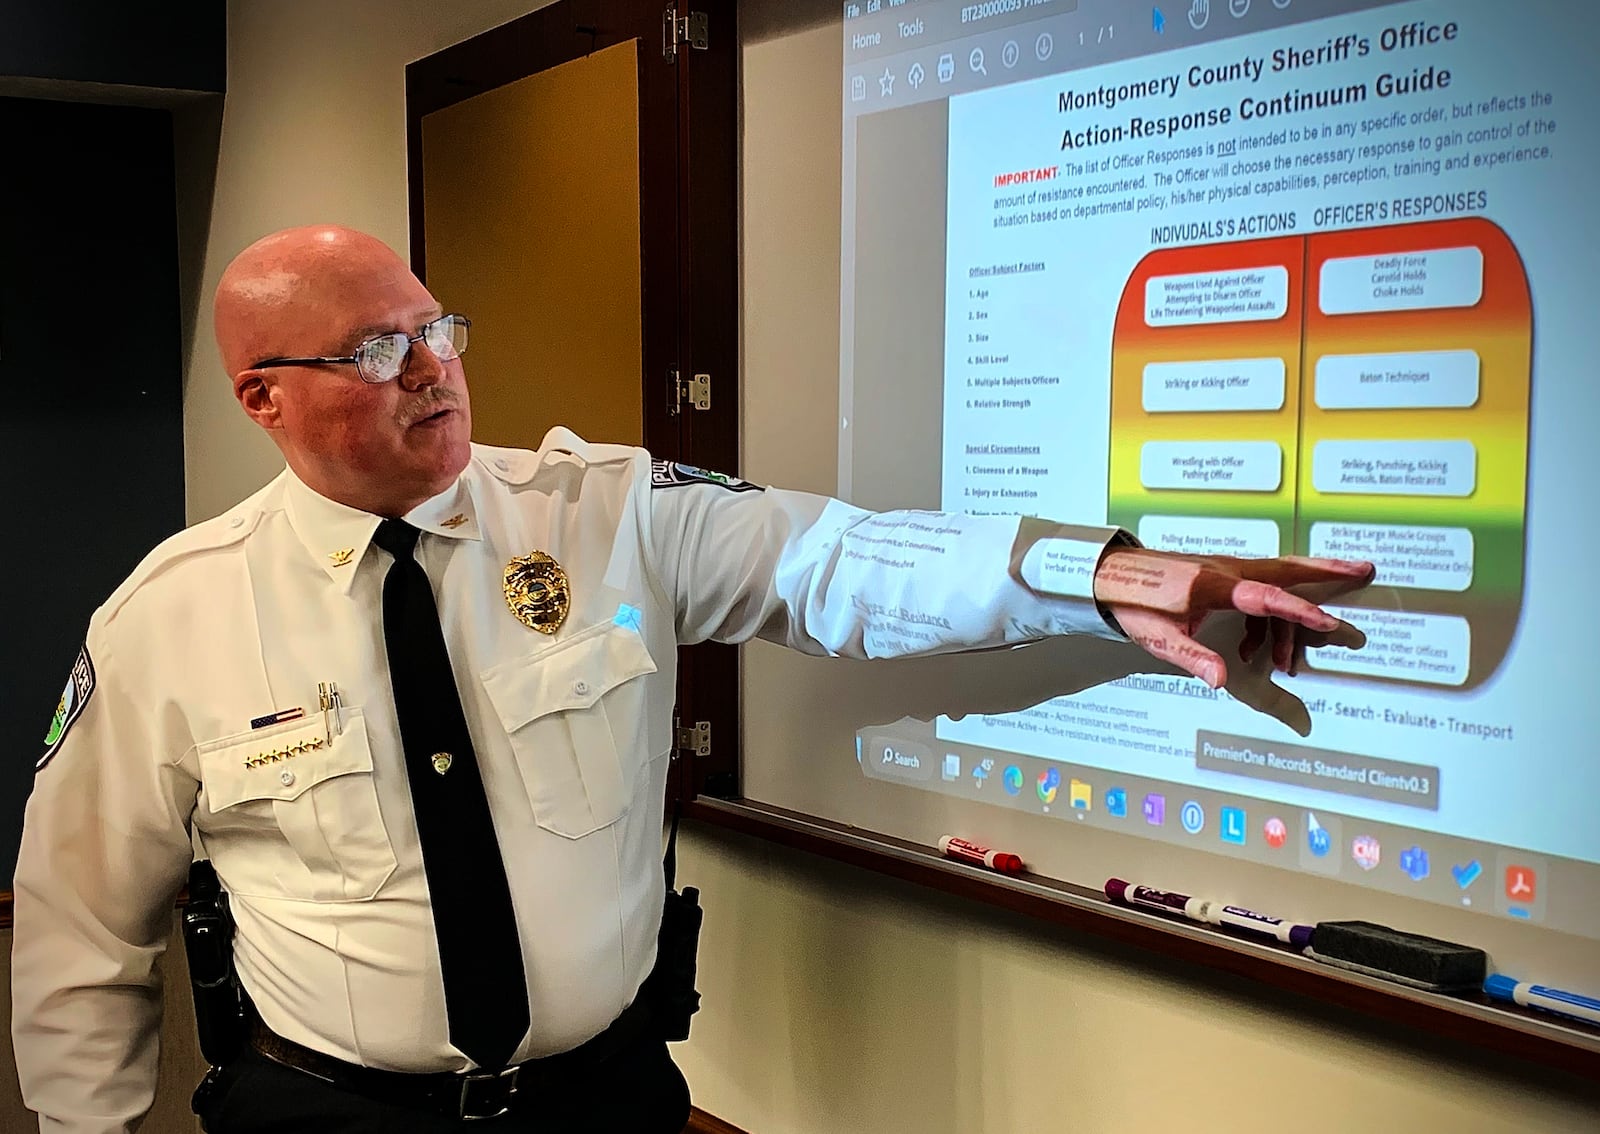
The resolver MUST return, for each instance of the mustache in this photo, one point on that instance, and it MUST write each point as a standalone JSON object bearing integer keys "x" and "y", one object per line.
{"x": 428, "y": 404}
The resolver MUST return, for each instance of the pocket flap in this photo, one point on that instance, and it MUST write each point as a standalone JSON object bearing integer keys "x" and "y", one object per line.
{"x": 282, "y": 764}
{"x": 568, "y": 675}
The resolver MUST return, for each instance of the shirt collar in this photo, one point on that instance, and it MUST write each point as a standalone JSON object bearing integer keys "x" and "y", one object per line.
{"x": 337, "y": 536}
{"x": 452, "y": 513}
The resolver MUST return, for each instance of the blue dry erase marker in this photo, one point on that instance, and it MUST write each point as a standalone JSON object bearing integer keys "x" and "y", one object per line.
{"x": 1530, "y": 995}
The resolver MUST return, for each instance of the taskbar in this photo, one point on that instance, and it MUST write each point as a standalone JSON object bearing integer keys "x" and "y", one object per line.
{"x": 1482, "y": 877}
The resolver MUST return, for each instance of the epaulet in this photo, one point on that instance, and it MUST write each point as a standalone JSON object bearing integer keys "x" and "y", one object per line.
{"x": 230, "y": 528}
{"x": 519, "y": 466}
{"x": 513, "y": 466}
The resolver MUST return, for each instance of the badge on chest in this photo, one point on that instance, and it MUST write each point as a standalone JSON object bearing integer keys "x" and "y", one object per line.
{"x": 537, "y": 592}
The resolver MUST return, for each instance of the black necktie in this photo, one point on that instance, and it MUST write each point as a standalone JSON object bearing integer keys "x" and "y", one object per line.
{"x": 485, "y": 990}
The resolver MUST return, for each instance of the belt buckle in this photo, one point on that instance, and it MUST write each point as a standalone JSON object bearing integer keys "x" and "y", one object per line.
{"x": 494, "y": 1100}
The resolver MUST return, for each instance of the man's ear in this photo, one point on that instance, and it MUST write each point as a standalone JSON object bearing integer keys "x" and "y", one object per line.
{"x": 251, "y": 389}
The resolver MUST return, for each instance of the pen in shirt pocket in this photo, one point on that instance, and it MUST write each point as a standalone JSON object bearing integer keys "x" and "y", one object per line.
{"x": 332, "y": 706}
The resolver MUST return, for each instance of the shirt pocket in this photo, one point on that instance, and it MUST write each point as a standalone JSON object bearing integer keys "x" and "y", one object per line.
{"x": 290, "y": 814}
{"x": 574, "y": 713}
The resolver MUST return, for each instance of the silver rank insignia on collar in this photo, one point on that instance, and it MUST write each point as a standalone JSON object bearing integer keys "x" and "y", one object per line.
{"x": 537, "y": 592}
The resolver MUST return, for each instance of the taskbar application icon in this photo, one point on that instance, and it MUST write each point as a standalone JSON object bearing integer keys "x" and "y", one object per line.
{"x": 1520, "y": 885}
{"x": 1319, "y": 848}
{"x": 1415, "y": 864}
{"x": 1192, "y": 816}
{"x": 1232, "y": 829}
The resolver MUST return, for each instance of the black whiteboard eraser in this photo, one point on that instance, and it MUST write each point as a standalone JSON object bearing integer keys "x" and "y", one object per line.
{"x": 1393, "y": 954}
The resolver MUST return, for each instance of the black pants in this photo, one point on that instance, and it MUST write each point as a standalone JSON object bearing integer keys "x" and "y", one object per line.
{"x": 636, "y": 1091}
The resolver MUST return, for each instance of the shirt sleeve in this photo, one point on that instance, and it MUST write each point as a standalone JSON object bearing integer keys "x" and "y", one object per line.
{"x": 825, "y": 577}
{"x": 105, "y": 849}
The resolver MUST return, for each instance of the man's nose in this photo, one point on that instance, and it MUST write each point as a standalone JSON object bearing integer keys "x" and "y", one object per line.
{"x": 422, "y": 369}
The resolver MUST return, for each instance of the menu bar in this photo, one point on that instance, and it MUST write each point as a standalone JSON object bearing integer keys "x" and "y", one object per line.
{"x": 883, "y": 27}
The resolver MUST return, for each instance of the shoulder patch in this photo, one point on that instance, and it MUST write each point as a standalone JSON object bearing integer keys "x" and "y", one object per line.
{"x": 80, "y": 685}
{"x": 671, "y": 474}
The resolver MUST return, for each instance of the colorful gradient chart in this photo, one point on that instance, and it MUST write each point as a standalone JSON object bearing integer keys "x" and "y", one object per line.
{"x": 1359, "y": 394}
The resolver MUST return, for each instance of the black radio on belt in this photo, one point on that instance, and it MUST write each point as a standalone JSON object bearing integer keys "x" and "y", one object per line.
{"x": 669, "y": 988}
{"x": 208, "y": 942}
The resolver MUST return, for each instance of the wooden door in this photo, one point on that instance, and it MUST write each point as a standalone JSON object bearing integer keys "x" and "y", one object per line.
{"x": 531, "y": 199}
{"x": 573, "y": 191}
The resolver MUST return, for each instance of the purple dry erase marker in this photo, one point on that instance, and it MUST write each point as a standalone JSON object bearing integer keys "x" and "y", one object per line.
{"x": 1208, "y": 911}
{"x": 1250, "y": 922}
{"x": 1148, "y": 897}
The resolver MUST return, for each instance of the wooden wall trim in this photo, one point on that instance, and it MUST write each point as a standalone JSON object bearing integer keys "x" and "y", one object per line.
{"x": 702, "y": 1123}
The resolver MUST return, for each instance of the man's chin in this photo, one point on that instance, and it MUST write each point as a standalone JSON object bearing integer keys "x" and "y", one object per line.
{"x": 438, "y": 455}
{"x": 453, "y": 460}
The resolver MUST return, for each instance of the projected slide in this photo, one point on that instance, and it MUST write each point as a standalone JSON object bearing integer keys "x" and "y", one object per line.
{"x": 1309, "y": 279}
{"x": 1359, "y": 394}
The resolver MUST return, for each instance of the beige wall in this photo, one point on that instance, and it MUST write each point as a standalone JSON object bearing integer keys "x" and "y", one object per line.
{"x": 836, "y": 1002}
{"x": 839, "y": 1002}
{"x": 314, "y": 130}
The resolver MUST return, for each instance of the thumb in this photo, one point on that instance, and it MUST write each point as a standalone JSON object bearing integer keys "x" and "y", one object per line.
{"x": 1255, "y": 689}
{"x": 1250, "y": 681}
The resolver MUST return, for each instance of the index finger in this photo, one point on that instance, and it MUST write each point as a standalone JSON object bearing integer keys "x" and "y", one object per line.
{"x": 1263, "y": 600}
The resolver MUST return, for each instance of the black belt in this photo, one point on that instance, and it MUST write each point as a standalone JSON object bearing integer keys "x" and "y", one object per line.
{"x": 466, "y": 1095}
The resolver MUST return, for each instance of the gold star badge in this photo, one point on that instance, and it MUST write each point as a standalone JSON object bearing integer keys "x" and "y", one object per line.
{"x": 342, "y": 557}
{"x": 537, "y": 592}
{"x": 455, "y": 521}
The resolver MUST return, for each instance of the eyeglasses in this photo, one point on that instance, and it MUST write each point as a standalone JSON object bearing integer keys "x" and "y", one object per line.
{"x": 383, "y": 358}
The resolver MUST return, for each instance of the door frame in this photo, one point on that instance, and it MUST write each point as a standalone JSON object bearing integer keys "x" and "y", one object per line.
{"x": 688, "y": 258}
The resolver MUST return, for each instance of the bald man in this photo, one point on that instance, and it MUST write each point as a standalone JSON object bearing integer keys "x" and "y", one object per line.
{"x": 413, "y": 701}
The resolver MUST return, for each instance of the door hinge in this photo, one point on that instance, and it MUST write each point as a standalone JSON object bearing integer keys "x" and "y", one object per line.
{"x": 689, "y": 28}
{"x": 696, "y": 391}
{"x": 695, "y": 740}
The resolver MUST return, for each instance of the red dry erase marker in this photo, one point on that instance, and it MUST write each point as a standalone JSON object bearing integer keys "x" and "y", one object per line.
{"x": 963, "y": 851}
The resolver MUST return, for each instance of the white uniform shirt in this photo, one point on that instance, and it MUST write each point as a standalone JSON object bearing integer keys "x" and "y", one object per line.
{"x": 244, "y": 615}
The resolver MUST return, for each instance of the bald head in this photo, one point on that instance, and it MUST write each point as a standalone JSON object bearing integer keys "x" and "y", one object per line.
{"x": 318, "y": 292}
{"x": 281, "y": 282}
